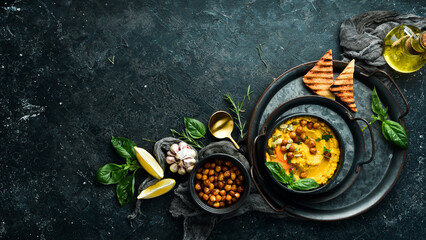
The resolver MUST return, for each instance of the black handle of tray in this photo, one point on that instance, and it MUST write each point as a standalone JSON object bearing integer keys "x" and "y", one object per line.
{"x": 373, "y": 148}
{"x": 256, "y": 184}
{"x": 407, "y": 108}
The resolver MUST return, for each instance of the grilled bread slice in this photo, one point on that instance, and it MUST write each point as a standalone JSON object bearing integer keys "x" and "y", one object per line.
{"x": 343, "y": 86}
{"x": 320, "y": 77}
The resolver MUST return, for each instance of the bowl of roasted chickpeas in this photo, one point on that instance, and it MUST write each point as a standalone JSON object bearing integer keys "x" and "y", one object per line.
{"x": 219, "y": 183}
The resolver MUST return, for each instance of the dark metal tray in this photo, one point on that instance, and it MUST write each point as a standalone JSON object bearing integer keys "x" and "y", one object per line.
{"x": 373, "y": 182}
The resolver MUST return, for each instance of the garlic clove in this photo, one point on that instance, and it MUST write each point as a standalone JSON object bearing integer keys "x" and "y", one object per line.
{"x": 174, "y": 148}
{"x": 174, "y": 167}
{"x": 189, "y": 169}
{"x": 170, "y": 159}
{"x": 183, "y": 145}
{"x": 189, "y": 162}
{"x": 181, "y": 171}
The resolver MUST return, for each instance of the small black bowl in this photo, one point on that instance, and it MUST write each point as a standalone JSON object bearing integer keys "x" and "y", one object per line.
{"x": 322, "y": 188}
{"x": 204, "y": 205}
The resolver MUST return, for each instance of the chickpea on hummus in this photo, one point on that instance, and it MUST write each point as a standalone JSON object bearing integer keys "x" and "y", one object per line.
{"x": 307, "y": 146}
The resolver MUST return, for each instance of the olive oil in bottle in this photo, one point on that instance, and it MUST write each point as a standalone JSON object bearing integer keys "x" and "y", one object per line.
{"x": 404, "y": 48}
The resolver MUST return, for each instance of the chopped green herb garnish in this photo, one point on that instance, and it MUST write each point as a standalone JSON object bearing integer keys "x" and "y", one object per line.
{"x": 327, "y": 150}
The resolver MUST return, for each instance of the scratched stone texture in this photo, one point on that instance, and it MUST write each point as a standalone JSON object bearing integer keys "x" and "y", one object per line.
{"x": 62, "y": 99}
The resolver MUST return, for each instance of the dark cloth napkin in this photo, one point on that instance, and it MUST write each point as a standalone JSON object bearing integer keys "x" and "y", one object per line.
{"x": 361, "y": 37}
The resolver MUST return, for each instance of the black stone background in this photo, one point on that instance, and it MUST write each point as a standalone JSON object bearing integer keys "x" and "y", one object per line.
{"x": 61, "y": 100}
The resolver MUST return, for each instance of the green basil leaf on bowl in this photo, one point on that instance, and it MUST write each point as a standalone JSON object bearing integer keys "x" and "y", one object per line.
{"x": 110, "y": 173}
{"x": 278, "y": 173}
{"x": 125, "y": 189}
{"x": 124, "y": 147}
{"x": 195, "y": 128}
{"x": 304, "y": 184}
{"x": 395, "y": 133}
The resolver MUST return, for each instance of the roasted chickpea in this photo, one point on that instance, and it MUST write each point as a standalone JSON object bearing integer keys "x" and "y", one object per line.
{"x": 197, "y": 187}
{"x": 312, "y": 143}
{"x": 216, "y": 204}
{"x": 310, "y": 125}
{"x": 292, "y": 148}
{"x": 220, "y": 185}
{"x": 205, "y": 171}
{"x": 211, "y": 172}
{"x": 213, "y": 198}
{"x": 284, "y": 142}
{"x": 228, "y": 163}
{"x": 198, "y": 176}
{"x": 327, "y": 154}
{"x": 234, "y": 187}
{"x": 229, "y": 181}
{"x": 222, "y": 192}
{"x": 292, "y": 135}
{"x": 290, "y": 155}
{"x": 316, "y": 125}
{"x": 207, "y": 165}
{"x": 222, "y": 204}
{"x": 241, "y": 178}
{"x": 240, "y": 189}
{"x": 204, "y": 177}
{"x": 299, "y": 130}
{"x": 228, "y": 188}
{"x": 313, "y": 150}
{"x": 218, "y": 198}
{"x": 212, "y": 178}
{"x": 303, "y": 175}
{"x": 303, "y": 122}
{"x": 307, "y": 141}
{"x": 303, "y": 136}
{"x": 233, "y": 176}
{"x": 228, "y": 197}
{"x": 205, "y": 197}
{"x": 232, "y": 193}
{"x": 283, "y": 149}
{"x": 218, "y": 168}
{"x": 212, "y": 165}
{"x": 206, "y": 190}
{"x": 227, "y": 174}
{"x": 211, "y": 186}
{"x": 237, "y": 195}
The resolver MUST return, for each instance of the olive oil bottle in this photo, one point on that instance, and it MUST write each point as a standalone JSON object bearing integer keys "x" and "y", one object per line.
{"x": 404, "y": 48}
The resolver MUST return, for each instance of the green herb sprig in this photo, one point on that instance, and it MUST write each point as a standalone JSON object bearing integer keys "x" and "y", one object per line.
{"x": 391, "y": 130}
{"x": 237, "y": 109}
{"x": 123, "y": 175}
{"x": 193, "y": 130}
{"x": 279, "y": 174}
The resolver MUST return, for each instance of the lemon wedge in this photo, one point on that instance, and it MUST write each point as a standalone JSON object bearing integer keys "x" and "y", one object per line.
{"x": 158, "y": 189}
{"x": 149, "y": 163}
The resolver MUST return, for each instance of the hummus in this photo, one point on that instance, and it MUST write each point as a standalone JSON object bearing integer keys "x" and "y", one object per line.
{"x": 306, "y": 146}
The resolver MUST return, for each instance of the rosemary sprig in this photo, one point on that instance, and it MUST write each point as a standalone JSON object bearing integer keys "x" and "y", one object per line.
{"x": 185, "y": 136}
{"x": 259, "y": 52}
{"x": 111, "y": 60}
{"x": 237, "y": 109}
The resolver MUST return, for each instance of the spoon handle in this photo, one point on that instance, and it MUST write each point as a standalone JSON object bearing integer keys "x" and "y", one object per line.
{"x": 235, "y": 143}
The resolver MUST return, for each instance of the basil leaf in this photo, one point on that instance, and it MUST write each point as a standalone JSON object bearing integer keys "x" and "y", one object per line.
{"x": 124, "y": 147}
{"x": 110, "y": 174}
{"x": 376, "y": 104}
{"x": 125, "y": 189}
{"x": 304, "y": 184}
{"x": 195, "y": 128}
{"x": 278, "y": 173}
{"x": 395, "y": 133}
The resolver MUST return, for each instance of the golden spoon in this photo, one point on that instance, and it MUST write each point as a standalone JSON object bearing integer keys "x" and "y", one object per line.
{"x": 221, "y": 126}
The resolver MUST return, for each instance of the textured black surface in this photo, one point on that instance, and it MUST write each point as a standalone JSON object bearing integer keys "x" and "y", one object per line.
{"x": 61, "y": 100}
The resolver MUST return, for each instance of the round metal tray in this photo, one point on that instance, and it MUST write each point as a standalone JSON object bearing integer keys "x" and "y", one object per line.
{"x": 373, "y": 182}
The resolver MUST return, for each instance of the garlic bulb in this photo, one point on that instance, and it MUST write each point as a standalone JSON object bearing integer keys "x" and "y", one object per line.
{"x": 181, "y": 157}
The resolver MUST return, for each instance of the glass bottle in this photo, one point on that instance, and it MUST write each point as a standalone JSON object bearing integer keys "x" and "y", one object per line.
{"x": 404, "y": 48}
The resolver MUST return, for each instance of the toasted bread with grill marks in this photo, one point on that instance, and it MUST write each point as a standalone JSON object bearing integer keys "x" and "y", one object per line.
{"x": 343, "y": 86}
{"x": 320, "y": 77}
